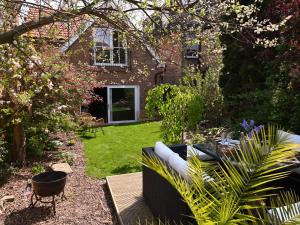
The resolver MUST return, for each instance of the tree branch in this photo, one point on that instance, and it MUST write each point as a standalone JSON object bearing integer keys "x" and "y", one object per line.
{"x": 9, "y": 36}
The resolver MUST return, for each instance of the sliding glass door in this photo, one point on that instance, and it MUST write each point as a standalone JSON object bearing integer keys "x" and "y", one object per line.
{"x": 123, "y": 103}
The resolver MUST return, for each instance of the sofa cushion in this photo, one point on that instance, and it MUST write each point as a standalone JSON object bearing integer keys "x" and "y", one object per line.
{"x": 195, "y": 152}
{"x": 290, "y": 138}
{"x": 179, "y": 165}
{"x": 277, "y": 213}
{"x": 163, "y": 151}
{"x": 182, "y": 168}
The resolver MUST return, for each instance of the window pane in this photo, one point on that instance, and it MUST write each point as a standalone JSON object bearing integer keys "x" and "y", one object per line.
{"x": 122, "y": 104}
{"x": 192, "y": 51}
{"x": 115, "y": 39}
{"x": 109, "y": 46}
{"x": 116, "y": 55}
{"x": 102, "y": 37}
{"x": 123, "y": 53}
{"x": 102, "y": 55}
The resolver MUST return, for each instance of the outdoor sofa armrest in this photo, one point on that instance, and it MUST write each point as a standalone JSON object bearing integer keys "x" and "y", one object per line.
{"x": 201, "y": 148}
{"x": 161, "y": 197}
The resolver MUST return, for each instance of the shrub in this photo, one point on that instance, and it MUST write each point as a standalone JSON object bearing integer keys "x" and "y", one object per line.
{"x": 36, "y": 141}
{"x": 71, "y": 142}
{"x": 179, "y": 107}
{"x": 66, "y": 157}
{"x": 40, "y": 124}
{"x": 212, "y": 96}
{"x": 4, "y": 168}
{"x": 196, "y": 139}
{"x": 37, "y": 168}
{"x": 182, "y": 107}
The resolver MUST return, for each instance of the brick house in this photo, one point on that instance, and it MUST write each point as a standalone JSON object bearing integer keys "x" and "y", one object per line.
{"x": 126, "y": 69}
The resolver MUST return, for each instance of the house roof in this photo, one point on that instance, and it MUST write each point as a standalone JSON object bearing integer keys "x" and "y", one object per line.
{"x": 69, "y": 31}
{"x": 58, "y": 30}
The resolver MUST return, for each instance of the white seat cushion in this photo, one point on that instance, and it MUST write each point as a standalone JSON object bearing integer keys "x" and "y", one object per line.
{"x": 163, "y": 151}
{"x": 293, "y": 138}
{"x": 195, "y": 152}
{"x": 179, "y": 165}
{"x": 277, "y": 212}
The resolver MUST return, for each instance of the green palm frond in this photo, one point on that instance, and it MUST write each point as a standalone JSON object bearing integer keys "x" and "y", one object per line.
{"x": 238, "y": 186}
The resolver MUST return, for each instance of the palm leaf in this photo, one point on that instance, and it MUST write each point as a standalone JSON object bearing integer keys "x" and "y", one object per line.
{"x": 237, "y": 187}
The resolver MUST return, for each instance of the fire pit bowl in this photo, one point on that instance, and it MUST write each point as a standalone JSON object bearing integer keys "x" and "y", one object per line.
{"x": 49, "y": 183}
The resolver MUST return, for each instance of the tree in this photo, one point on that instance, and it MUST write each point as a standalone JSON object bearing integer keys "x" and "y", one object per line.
{"x": 268, "y": 78}
{"x": 31, "y": 83}
{"x": 196, "y": 15}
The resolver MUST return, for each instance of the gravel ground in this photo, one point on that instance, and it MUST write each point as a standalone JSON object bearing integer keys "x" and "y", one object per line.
{"x": 88, "y": 200}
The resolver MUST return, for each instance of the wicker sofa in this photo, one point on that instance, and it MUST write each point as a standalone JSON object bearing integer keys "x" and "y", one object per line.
{"x": 166, "y": 203}
{"x": 162, "y": 198}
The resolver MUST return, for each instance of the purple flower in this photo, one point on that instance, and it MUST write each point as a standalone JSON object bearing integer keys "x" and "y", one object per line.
{"x": 249, "y": 128}
{"x": 245, "y": 125}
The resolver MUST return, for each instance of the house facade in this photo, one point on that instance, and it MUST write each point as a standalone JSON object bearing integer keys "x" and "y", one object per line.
{"x": 125, "y": 68}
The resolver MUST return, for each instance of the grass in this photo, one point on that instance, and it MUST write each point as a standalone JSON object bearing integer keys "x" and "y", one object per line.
{"x": 119, "y": 149}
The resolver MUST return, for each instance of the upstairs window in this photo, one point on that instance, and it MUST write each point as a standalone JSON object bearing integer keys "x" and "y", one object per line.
{"x": 110, "y": 48}
{"x": 191, "y": 48}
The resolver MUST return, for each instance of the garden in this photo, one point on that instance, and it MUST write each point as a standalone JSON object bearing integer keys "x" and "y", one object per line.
{"x": 218, "y": 146}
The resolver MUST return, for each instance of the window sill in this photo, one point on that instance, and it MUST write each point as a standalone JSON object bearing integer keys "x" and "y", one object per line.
{"x": 191, "y": 57}
{"x": 110, "y": 65}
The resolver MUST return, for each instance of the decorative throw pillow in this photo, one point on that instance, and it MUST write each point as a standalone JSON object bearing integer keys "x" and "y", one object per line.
{"x": 163, "y": 151}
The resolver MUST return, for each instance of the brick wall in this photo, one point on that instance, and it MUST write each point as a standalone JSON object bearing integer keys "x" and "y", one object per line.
{"x": 141, "y": 68}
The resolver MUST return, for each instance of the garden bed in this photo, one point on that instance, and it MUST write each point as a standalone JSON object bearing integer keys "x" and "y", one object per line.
{"x": 88, "y": 200}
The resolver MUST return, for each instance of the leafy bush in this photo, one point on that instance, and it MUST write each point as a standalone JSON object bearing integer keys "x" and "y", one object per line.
{"x": 71, "y": 142}
{"x": 196, "y": 139}
{"x": 179, "y": 107}
{"x": 37, "y": 168}
{"x": 66, "y": 157}
{"x": 4, "y": 168}
{"x": 182, "y": 107}
{"x": 43, "y": 122}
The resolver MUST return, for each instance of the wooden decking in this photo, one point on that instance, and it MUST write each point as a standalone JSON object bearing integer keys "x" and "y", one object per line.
{"x": 126, "y": 192}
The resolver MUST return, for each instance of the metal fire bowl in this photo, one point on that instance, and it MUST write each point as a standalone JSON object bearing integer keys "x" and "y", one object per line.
{"x": 49, "y": 183}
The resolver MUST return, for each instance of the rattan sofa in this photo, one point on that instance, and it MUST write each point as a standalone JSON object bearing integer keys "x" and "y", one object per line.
{"x": 161, "y": 197}
{"x": 166, "y": 203}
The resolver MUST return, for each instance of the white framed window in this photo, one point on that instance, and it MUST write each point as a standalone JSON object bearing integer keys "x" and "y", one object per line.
{"x": 191, "y": 48}
{"x": 110, "y": 47}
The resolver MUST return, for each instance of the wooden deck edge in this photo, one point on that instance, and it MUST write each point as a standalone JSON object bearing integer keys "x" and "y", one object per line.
{"x": 114, "y": 202}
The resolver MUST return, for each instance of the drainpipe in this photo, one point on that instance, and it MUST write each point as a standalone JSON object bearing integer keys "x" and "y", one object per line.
{"x": 158, "y": 77}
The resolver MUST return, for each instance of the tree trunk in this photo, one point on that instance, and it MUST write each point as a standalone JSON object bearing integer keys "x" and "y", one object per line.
{"x": 19, "y": 141}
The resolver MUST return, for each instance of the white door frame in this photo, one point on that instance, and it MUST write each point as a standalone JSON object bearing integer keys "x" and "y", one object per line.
{"x": 136, "y": 101}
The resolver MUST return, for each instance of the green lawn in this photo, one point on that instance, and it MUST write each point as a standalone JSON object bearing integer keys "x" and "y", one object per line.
{"x": 119, "y": 149}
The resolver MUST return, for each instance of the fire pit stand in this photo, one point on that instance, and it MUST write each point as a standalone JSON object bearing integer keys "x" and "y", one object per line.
{"x": 35, "y": 199}
{"x": 48, "y": 184}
